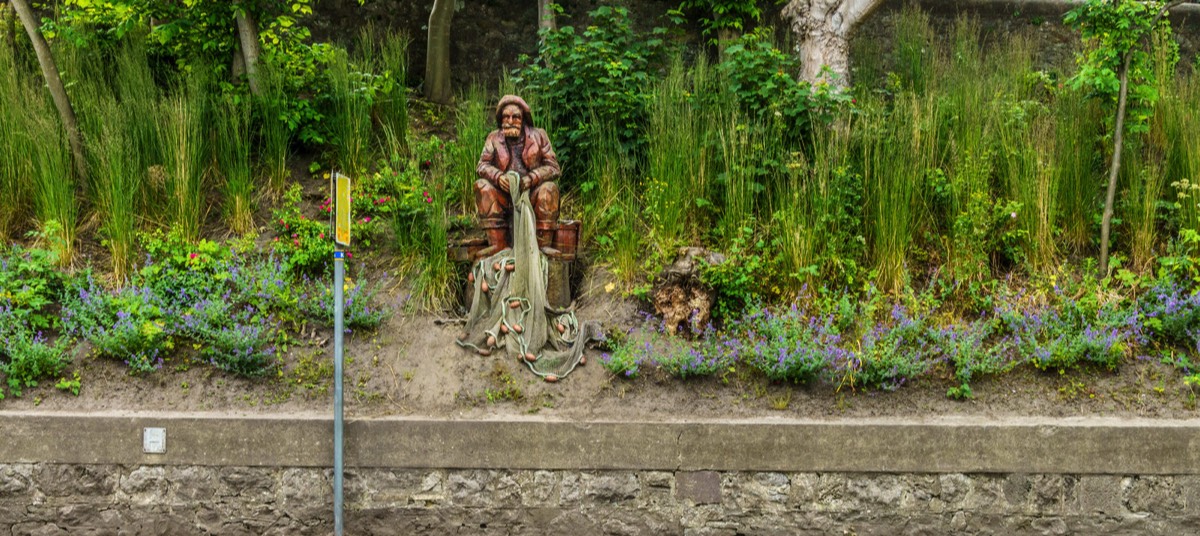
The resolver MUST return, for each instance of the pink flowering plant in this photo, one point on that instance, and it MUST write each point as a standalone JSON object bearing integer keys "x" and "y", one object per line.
{"x": 304, "y": 244}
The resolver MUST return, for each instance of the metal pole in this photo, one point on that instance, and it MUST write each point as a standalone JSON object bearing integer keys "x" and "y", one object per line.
{"x": 339, "y": 276}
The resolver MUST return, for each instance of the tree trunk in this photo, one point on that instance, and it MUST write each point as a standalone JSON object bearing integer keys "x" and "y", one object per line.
{"x": 1119, "y": 144}
{"x": 251, "y": 50}
{"x": 546, "y": 19}
{"x": 437, "y": 58}
{"x": 1115, "y": 168}
{"x": 725, "y": 37}
{"x": 54, "y": 82}
{"x": 822, "y": 30}
{"x": 237, "y": 67}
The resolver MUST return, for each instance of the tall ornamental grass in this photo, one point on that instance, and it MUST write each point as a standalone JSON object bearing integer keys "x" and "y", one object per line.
{"x": 51, "y": 177}
{"x": 1076, "y": 144}
{"x": 14, "y": 150}
{"x": 472, "y": 121}
{"x": 117, "y": 185}
{"x": 675, "y": 158}
{"x": 1143, "y": 177}
{"x": 1181, "y": 124}
{"x": 392, "y": 106}
{"x": 1027, "y": 173}
{"x": 350, "y": 115}
{"x": 915, "y": 49}
{"x": 232, "y": 149}
{"x": 970, "y": 125}
{"x": 274, "y": 131}
{"x": 898, "y": 149}
{"x": 434, "y": 288}
{"x": 813, "y": 226}
{"x": 139, "y": 97}
{"x": 182, "y": 123}
{"x": 614, "y": 206}
{"x": 740, "y": 152}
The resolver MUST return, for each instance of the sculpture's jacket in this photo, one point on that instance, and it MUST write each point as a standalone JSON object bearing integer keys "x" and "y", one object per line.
{"x": 538, "y": 156}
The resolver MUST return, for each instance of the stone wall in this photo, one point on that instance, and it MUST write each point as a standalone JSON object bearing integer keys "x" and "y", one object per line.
{"x": 92, "y": 473}
{"x": 51, "y": 499}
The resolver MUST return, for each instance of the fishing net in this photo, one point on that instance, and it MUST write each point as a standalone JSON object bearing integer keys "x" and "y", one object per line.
{"x": 509, "y": 308}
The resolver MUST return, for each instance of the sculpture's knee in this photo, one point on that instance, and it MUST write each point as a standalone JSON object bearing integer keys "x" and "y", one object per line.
{"x": 488, "y": 199}
{"x": 545, "y": 201}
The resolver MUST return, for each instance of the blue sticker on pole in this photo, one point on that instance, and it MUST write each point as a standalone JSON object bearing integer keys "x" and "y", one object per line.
{"x": 339, "y": 254}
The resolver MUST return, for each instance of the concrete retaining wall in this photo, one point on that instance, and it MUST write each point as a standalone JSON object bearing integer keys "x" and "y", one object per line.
{"x": 87, "y": 474}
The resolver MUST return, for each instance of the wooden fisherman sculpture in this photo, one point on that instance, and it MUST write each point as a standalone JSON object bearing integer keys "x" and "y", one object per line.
{"x": 516, "y": 146}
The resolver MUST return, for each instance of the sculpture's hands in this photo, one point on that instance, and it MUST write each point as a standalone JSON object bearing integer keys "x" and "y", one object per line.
{"x": 506, "y": 179}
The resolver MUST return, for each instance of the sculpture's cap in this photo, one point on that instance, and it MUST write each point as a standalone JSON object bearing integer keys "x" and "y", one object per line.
{"x": 513, "y": 99}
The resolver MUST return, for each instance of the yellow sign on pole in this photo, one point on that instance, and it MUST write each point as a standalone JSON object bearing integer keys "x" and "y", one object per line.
{"x": 342, "y": 206}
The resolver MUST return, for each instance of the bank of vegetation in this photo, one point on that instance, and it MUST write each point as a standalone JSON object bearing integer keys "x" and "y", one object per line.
{"x": 938, "y": 219}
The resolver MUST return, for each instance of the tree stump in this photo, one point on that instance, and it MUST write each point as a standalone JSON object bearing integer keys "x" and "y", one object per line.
{"x": 678, "y": 294}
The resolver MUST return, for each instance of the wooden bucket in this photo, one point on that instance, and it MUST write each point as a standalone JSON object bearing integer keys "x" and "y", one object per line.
{"x": 566, "y": 238}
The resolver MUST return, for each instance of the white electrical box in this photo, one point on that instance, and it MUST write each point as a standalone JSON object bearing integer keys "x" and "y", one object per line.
{"x": 154, "y": 440}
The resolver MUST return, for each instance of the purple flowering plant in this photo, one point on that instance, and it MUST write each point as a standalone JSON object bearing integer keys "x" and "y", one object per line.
{"x": 361, "y": 307}
{"x": 1070, "y": 331}
{"x": 973, "y": 349}
{"x": 794, "y": 345}
{"x": 888, "y": 354}
{"x": 126, "y": 323}
{"x": 27, "y": 357}
{"x": 1171, "y": 311}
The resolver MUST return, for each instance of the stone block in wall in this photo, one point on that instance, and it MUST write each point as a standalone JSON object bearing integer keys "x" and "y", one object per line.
{"x": 381, "y": 488}
{"x": 144, "y": 486}
{"x": 1053, "y": 494}
{"x": 60, "y": 480}
{"x": 610, "y": 487}
{"x": 698, "y": 487}
{"x": 15, "y": 480}
{"x": 193, "y": 485}
{"x": 304, "y": 493}
{"x": 542, "y": 488}
{"x": 1099, "y": 494}
{"x": 249, "y": 483}
{"x": 1153, "y": 494}
{"x": 952, "y": 489}
{"x": 38, "y": 529}
{"x": 483, "y": 489}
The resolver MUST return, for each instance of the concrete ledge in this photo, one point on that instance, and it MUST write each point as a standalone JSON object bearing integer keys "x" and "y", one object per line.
{"x": 942, "y": 445}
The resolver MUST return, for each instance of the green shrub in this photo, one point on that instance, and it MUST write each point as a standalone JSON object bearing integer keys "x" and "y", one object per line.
{"x": 764, "y": 81}
{"x": 603, "y": 72}
{"x": 29, "y": 357}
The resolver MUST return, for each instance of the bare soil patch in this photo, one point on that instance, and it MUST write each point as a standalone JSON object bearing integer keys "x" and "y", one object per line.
{"x": 411, "y": 367}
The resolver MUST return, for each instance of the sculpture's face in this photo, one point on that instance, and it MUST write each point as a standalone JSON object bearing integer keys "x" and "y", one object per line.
{"x": 510, "y": 121}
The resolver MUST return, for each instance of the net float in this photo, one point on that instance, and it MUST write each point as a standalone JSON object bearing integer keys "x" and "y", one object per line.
{"x": 561, "y": 328}
{"x": 582, "y": 360}
{"x": 504, "y": 329}
{"x": 491, "y": 340}
{"x": 484, "y": 352}
{"x": 471, "y": 277}
{"x": 514, "y": 304}
{"x": 510, "y": 267}
{"x": 551, "y": 378}
{"x": 517, "y": 328}
{"x": 483, "y": 286}
{"x": 530, "y": 357}
{"x": 496, "y": 266}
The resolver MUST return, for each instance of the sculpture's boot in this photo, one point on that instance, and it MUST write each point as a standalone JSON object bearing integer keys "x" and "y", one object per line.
{"x": 545, "y": 238}
{"x": 497, "y": 236}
